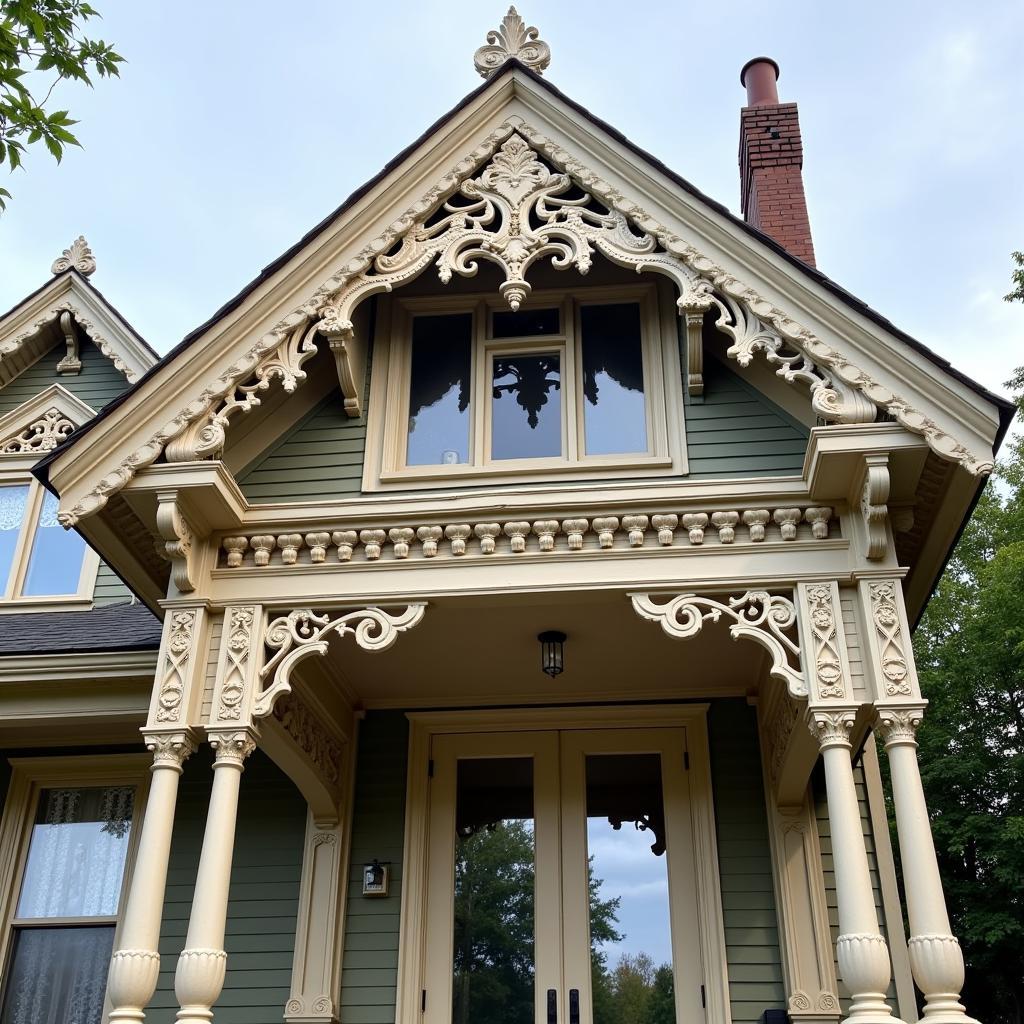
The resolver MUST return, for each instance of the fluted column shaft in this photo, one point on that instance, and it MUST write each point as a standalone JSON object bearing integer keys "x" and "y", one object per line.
{"x": 202, "y": 964}
{"x": 861, "y": 950}
{"x": 135, "y": 964}
{"x": 936, "y": 960}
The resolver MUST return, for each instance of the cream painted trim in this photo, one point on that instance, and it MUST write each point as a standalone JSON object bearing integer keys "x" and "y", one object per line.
{"x": 56, "y": 396}
{"x": 11, "y": 600}
{"x": 30, "y": 775}
{"x": 138, "y": 431}
{"x": 892, "y": 907}
{"x": 384, "y": 465}
{"x": 692, "y": 717}
{"x": 68, "y": 293}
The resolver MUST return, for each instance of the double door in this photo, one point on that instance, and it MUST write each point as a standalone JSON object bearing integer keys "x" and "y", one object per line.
{"x": 560, "y": 880}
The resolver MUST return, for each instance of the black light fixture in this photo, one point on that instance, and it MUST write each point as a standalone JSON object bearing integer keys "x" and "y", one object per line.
{"x": 552, "y": 651}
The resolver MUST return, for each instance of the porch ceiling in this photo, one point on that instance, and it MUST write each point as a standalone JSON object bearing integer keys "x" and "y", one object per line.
{"x": 473, "y": 651}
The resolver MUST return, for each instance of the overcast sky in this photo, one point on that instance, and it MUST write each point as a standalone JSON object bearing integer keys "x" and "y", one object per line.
{"x": 235, "y": 127}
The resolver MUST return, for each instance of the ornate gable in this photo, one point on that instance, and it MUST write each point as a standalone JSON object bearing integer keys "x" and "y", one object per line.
{"x": 40, "y": 424}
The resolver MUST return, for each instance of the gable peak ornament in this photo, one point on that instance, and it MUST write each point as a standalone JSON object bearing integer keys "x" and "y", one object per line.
{"x": 514, "y": 39}
{"x": 77, "y": 256}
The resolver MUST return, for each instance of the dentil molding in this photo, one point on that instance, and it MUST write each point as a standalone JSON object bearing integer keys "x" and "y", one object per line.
{"x": 626, "y": 233}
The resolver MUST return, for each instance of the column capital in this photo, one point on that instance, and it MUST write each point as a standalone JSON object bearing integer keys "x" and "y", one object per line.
{"x": 170, "y": 748}
{"x": 831, "y": 728}
{"x": 232, "y": 746}
{"x": 898, "y": 724}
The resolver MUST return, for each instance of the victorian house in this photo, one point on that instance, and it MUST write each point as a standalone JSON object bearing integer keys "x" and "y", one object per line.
{"x": 515, "y": 578}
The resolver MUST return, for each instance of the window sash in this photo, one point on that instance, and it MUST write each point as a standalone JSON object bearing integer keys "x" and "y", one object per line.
{"x": 386, "y": 462}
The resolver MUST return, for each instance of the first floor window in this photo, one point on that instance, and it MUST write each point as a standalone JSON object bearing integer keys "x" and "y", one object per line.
{"x": 61, "y": 934}
{"x": 38, "y": 557}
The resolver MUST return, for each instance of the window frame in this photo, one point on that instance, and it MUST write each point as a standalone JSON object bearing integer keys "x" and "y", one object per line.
{"x": 387, "y": 426}
{"x": 29, "y": 777}
{"x": 12, "y": 598}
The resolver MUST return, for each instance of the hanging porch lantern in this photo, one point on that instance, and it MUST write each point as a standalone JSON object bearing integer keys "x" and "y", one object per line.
{"x": 552, "y": 652}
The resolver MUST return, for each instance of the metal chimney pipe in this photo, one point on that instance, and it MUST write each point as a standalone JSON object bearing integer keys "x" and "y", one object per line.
{"x": 760, "y": 76}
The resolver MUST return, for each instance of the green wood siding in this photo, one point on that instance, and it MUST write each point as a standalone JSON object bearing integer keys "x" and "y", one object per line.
{"x": 96, "y": 385}
{"x": 736, "y": 431}
{"x": 370, "y": 959}
{"x": 745, "y": 863}
{"x": 109, "y": 588}
{"x": 825, "y": 838}
{"x": 264, "y": 895}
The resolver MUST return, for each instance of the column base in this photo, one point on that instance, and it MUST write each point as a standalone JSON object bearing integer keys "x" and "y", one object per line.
{"x": 198, "y": 981}
{"x": 864, "y": 966}
{"x": 131, "y": 983}
{"x": 938, "y": 967}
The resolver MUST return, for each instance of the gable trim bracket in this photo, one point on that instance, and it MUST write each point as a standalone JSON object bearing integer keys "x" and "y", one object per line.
{"x": 513, "y": 181}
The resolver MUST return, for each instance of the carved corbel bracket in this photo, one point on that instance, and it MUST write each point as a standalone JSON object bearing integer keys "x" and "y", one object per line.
{"x": 694, "y": 351}
{"x": 302, "y": 632}
{"x": 179, "y": 541}
{"x": 71, "y": 363}
{"x": 873, "y": 505}
{"x": 349, "y": 351}
{"x": 768, "y": 619}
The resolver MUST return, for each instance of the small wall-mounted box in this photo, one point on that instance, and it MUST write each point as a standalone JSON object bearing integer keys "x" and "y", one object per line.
{"x": 376, "y": 877}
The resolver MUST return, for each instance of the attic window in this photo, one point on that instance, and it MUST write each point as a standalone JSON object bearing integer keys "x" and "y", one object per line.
{"x": 566, "y": 383}
{"x": 38, "y": 558}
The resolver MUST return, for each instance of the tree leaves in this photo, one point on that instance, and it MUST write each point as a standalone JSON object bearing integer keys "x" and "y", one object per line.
{"x": 45, "y": 37}
{"x": 970, "y": 652}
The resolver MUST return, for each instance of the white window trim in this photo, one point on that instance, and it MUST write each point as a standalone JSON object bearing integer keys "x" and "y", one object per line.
{"x": 31, "y": 775}
{"x": 384, "y": 465}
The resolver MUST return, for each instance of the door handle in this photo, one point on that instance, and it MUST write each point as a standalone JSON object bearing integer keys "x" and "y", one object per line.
{"x": 574, "y": 1006}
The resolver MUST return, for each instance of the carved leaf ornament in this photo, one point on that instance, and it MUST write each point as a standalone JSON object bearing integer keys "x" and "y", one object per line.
{"x": 531, "y": 201}
{"x": 769, "y": 619}
{"x": 302, "y": 632}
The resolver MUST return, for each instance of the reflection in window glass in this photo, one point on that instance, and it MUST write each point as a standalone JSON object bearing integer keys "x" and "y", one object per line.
{"x": 526, "y": 411}
{"x": 493, "y": 950}
{"x": 77, "y": 852}
{"x": 439, "y": 390}
{"x": 524, "y": 323}
{"x": 56, "y": 562}
{"x": 12, "y": 516}
{"x": 614, "y": 419}
{"x": 630, "y": 932}
{"x": 58, "y": 974}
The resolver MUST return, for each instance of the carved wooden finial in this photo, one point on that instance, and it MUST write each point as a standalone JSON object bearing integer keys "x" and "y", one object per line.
{"x": 78, "y": 255}
{"x": 513, "y": 39}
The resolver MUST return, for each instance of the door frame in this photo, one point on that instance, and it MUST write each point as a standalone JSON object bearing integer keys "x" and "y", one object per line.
{"x": 423, "y": 726}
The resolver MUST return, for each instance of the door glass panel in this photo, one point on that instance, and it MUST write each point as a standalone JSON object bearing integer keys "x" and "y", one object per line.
{"x": 493, "y": 952}
{"x": 526, "y": 418}
{"x": 630, "y": 932}
{"x": 614, "y": 420}
{"x": 439, "y": 390}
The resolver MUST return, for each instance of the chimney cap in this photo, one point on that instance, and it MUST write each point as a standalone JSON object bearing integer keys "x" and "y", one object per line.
{"x": 758, "y": 60}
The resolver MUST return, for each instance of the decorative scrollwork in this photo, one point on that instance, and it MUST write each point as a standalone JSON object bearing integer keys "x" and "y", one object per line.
{"x": 77, "y": 256}
{"x": 42, "y": 435}
{"x": 819, "y": 605}
{"x": 893, "y": 665}
{"x": 767, "y": 618}
{"x": 177, "y": 654}
{"x": 302, "y": 632}
{"x": 514, "y": 39}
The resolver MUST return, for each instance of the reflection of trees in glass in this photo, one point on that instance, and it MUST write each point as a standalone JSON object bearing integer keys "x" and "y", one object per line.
{"x": 494, "y": 940}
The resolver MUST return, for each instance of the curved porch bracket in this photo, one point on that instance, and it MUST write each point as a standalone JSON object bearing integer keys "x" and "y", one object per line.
{"x": 301, "y": 633}
{"x": 768, "y": 619}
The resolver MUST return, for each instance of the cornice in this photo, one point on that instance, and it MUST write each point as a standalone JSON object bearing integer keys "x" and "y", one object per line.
{"x": 67, "y": 667}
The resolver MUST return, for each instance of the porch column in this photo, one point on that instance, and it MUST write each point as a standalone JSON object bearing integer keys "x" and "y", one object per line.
{"x": 861, "y": 950}
{"x": 935, "y": 957}
{"x": 135, "y": 966}
{"x": 199, "y": 977}
{"x": 177, "y": 690}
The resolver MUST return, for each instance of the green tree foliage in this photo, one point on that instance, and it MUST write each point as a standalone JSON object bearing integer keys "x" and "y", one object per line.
{"x": 494, "y": 941}
{"x": 1017, "y": 275}
{"x": 970, "y": 652}
{"x": 42, "y": 43}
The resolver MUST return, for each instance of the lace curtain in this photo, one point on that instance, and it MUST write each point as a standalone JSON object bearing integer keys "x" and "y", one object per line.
{"x": 75, "y": 867}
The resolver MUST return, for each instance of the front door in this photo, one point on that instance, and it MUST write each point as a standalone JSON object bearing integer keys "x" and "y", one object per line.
{"x": 560, "y": 879}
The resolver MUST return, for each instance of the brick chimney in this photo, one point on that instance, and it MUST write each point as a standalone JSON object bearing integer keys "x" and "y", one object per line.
{"x": 771, "y": 158}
